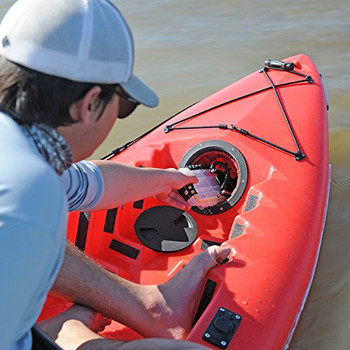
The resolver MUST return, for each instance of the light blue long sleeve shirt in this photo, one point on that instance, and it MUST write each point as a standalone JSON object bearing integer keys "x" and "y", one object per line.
{"x": 34, "y": 202}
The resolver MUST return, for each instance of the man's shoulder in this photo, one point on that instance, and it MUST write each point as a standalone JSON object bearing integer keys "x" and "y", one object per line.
{"x": 29, "y": 187}
{"x": 19, "y": 158}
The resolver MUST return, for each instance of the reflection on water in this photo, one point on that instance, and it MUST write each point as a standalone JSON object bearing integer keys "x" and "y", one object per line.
{"x": 186, "y": 50}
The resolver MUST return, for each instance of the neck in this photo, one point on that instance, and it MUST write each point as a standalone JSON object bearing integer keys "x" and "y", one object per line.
{"x": 70, "y": 134}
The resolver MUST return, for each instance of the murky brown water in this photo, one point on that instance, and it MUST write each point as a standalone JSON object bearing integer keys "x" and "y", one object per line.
{"x": 186, "y": 50}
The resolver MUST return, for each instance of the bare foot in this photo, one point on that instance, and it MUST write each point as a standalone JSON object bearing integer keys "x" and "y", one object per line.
{"x": 71, "y": 331}
{"x": 174, "y": 302}
{"x": 99, "y": 322}
{"x": 78, "y": 314}
{"x": 164, "y": 311}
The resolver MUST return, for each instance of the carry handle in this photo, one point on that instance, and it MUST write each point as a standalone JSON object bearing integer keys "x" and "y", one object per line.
{"x": 276, "y": 64}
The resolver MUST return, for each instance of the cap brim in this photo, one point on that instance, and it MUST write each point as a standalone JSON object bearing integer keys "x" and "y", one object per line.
{"x": 140, "y": 92}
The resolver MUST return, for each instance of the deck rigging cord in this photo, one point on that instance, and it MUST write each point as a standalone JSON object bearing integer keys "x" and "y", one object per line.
{"x": 269, "y": 65}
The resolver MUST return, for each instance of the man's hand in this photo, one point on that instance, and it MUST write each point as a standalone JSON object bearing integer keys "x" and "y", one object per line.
{"x": 171, "y": 196}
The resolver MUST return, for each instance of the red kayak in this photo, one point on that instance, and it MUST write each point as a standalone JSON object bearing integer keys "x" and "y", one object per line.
{"x": 266, "y": 137}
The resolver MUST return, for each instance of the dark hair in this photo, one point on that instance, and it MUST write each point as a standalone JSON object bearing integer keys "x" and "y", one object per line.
{"x": 34, "y": 97}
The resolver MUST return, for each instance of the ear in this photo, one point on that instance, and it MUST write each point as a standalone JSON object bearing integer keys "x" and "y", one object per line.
{"x": 83, "y": 110}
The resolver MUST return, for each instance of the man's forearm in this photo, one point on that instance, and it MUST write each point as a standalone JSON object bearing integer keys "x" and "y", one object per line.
{"x": 125, "y": 184}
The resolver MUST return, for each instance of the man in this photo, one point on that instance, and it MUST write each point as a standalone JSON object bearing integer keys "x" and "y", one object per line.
{"x": 65, "y": 76}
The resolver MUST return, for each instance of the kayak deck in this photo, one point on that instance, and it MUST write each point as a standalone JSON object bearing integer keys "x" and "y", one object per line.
{"x": 271, "y": 130}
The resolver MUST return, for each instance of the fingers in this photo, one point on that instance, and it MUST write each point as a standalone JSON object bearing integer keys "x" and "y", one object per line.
{"x": 183, "y": 177}
{"x": 176, "y": 200}
{"x": 192, "y": 179}
{"x": 175, "y": 196}
{"x": 188, "y": 175}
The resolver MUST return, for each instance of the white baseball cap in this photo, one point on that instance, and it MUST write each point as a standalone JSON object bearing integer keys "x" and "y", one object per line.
{"x": 80, "y": 40}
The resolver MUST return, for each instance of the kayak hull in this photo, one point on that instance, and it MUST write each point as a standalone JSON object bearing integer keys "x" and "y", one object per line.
{"x": 274, "y": 218}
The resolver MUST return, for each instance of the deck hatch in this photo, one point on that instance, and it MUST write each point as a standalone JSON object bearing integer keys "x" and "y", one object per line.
{"x": 165, "y": 229}
{"x": 218, "y": 151}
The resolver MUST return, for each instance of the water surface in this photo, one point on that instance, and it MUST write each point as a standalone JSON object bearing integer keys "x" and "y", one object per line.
{"x": 186, "y": 50}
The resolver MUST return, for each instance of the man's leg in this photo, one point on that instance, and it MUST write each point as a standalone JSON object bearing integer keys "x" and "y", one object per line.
{"x": 169, "y": 307}
{"x": 90, "y": 318}
{"x": 71, "y": 330}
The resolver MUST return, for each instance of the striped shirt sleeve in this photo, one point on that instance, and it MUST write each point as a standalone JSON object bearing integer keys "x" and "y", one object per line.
{"x": 83, "y": 183}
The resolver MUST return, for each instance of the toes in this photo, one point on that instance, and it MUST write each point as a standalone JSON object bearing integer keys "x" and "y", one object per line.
{"x": 220, "y": 253}
{"x": 100, "y": 322}
{"x": 213, "y": 255}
